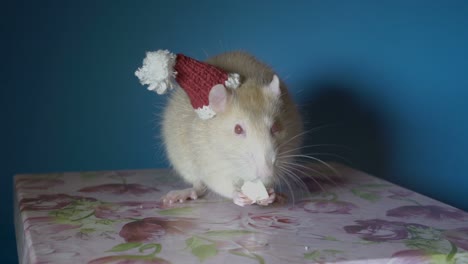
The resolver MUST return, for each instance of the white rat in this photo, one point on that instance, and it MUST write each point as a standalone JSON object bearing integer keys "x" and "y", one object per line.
{"x": 254, "y": 125}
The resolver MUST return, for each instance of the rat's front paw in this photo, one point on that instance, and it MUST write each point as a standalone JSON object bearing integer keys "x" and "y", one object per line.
{"x": 271, "y": 198}
{"x": 241, "y": 199}
{"x": 180, "y": 196}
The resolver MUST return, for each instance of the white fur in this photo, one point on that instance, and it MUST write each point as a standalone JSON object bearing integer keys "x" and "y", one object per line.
{"x": 209, "y": 153}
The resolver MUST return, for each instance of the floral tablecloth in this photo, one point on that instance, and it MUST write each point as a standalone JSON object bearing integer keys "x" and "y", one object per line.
{"x": 116, "y": 217}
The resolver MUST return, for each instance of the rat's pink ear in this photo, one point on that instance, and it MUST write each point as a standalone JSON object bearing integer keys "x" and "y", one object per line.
{"x": 274, "y": 86}
{"x": 218, "y": 98}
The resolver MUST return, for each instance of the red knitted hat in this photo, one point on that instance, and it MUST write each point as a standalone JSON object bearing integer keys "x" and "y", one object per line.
{"x": 163, "y": 70}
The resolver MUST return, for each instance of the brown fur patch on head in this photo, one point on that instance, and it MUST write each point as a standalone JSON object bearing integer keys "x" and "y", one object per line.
{"x": 254, "y": 101}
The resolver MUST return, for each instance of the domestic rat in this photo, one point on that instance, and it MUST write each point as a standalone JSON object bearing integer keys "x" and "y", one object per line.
{"x": 255, "y": 126}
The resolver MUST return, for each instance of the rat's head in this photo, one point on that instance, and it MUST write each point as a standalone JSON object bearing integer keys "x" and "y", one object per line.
{"x": 251, "y": 127}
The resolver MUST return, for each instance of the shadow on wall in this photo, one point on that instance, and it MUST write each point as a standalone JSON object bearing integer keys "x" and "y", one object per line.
{"x": 343, "y": 127}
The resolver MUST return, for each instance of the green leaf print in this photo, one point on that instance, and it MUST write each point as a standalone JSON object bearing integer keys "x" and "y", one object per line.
{"x": 157, "y": 248}
{"x": 314, "y": 255}
{"x": 176, "y": 211}
{"x": 104, "y": 222}
{"x": 424, "y": 232}
{"x": 200, "y": 248}
{"x": 453, "y": 252}
{"x": 429, "y": 245}
{"x": 205, "y": 251}
{"x": 376, "y": 185}
{"x": 88, "y": 175}
{"x": 227, "y": 233}
{"x": 323, "y": 255}
{"x": 366, "y": 195}
{"x": 125, "y": 247}
{"x": 365, "y": 192}
{"x": 194, "y": 242}
{"x": 71, "y": 214}
{"x": 87, "y": 230}
{"x": 332, "y": 251}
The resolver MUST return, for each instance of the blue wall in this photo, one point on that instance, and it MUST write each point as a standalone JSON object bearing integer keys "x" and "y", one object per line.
{"x": 392, "y": 74}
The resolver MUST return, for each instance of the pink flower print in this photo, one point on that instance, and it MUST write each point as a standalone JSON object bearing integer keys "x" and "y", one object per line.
{"x": 428, "y": 211}
{"x": 328, "y": 207}
{"x": 143, "y": 230}
{"x": 47, "y": 202}
{"x": 377, "y": 230}
{"x": 124, "y": 210}
{"x": 457, "y": 236}
{"x": 46, "y": 225}
{"x": 38, "y": 183}
{"x": 153, "y": 228}
{"x": 53, "y": 252}
{"x": 119, "y": 188}
{"x": 272, "y": 221}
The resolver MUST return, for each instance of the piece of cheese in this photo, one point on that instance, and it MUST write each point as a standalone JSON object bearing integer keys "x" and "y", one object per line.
{"x": 255, "y": 190}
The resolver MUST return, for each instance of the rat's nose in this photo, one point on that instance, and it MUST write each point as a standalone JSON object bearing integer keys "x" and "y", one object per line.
{"x": 265, "y": 172}
{"x": 265, "y": 168}
{"x": 273, "y": 159}
{"x": 264, "y": 159}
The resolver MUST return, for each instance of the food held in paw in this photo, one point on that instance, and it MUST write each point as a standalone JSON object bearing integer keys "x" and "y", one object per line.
{"x": 255, "y": 190}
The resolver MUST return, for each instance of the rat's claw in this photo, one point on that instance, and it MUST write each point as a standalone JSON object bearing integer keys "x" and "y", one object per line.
{"x": 179, "y": 196}
{"x": 240, "y": 199}
{"x": 271, "y": 198}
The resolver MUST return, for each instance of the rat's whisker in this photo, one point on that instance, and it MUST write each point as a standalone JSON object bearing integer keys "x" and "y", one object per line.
{"x": 290, "y": 189}
{"x": 295, "y": 178}
{"x": 307, "y": 131}
{"x": 305, "y": 167}
{"x": 330, "y": 155}
{"x": 308, "y": 176}
{"x": 315, "y": 145}
{"x": 347, "y": 161}
{"x": 316, "y": 159}
{"x": 295, "y": 165}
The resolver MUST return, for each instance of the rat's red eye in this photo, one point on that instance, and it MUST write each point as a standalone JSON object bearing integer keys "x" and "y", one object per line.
{"x": 276, "y": 127}
{"x": 238, "y": 129}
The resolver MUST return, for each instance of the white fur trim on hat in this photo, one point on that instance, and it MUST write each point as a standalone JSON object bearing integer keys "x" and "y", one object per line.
{"x": 205, "y": 112}
{"x": 233, "y": 81}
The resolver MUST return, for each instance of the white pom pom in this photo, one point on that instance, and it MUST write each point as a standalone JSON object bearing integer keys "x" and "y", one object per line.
{"x": 233, "y": 81}
{"x": 158, "y": 71}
